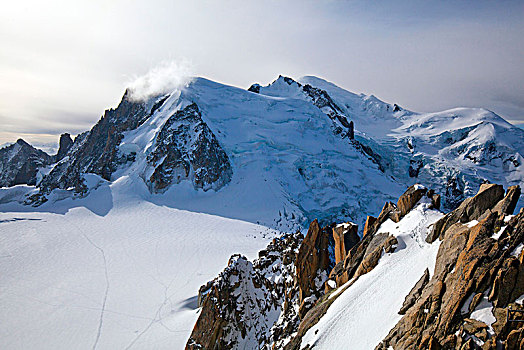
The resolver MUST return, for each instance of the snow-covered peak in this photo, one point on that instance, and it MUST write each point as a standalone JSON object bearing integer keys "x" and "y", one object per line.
{"x": 292, "y": 151}
{"x": 283, "y": 87}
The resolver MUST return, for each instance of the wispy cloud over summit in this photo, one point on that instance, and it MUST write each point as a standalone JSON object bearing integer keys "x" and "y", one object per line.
{"x": 163, "y": 78}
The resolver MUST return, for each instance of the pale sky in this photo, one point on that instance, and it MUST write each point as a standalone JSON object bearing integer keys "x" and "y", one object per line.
{"x": 62, "y": 63}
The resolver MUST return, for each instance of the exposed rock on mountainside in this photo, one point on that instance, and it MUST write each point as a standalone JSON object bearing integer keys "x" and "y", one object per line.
{"x": 307, "y": 263}
{"x": 313, "y": 265}
{"x": 250, "y": 305}
{"x": 471, "y": 208}
{"x": 96, "y": 151}
{"x": 19, "y": 164}
{"x": 346, "y": 237}
{"x": 415, "y": 292}
{"x": 361, "y": 258}
{"x": 301, "y": 149}
{"x": 65, "y": 144}
{"x": 479, "y": 272}
{"x": 478, "y": 277}
{"x": 186, "y": 147}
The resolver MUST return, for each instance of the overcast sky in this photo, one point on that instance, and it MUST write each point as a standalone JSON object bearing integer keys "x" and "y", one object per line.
{"x": 62, "y": 63}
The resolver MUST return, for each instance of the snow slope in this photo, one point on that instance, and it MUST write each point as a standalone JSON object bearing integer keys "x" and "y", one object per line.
{"x": 363, "y": 314}
{"x": 292, "y": 160}
{"x": 452, "y": 151}
{"x": 127, "y": 279}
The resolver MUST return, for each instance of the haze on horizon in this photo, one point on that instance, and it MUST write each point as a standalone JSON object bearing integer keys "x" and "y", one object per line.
{"x": 63, "y": 63}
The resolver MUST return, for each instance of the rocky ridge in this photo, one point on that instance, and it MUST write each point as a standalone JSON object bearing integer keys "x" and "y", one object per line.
{"x": 479, "y": 267}
{"x": 309, "y": 147}
{"x": 20, "y": 162}
{"x": 186, "y": 147}
{"x": 479, "y": 264}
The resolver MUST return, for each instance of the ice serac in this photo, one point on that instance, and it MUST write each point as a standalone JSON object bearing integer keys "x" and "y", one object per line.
{"x": 19, "y": 164}
{"x": 478, "y": 279}
{"x": 186, "y": 148}
{"x": 452, "y": 151}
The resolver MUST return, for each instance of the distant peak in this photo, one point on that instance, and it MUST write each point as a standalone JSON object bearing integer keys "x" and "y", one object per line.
{"x": 21, "y": 142}
{"x": 287, "y": 80}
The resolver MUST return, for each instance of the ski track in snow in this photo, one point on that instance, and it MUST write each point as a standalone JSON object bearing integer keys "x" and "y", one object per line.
{"x": 154, "y": 259}
{"x": 106, "y": 292}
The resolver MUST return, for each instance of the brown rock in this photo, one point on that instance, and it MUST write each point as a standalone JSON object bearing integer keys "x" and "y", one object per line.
{"x": 312, "y": 260}
{"x": 381, "y": 243}
{"x": 472, "y": 208}
{"x": 477, "y": 328}
{"x": 469, "y": 262}
{"x": 415, "y": 293}
{"x": 475, "y": 301}
{"x": 369, "y": 226}
{"x": 346, "y": 237}
{"x": 515, "y": 339}
{"x": 410, "y": 198}
{"x": 507, "y": 205}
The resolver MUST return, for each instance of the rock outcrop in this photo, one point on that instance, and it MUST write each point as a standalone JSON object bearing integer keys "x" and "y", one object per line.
{"x": 415, "y": 293}
{"x": 479, "y": 266}
{"x": 405, "y": 203}
{"x": 95, "y": 151}
{"x": 64, "y": 146}
{"x": 250, "y": 305}
{"x": 19, "y": 164}
{"x": 313, "y": 265}
{"x": 186, "y": 148}
{"x": 364, "y": 256}
{"x": 471, "y": 209}
{"x": 346, "y": 237}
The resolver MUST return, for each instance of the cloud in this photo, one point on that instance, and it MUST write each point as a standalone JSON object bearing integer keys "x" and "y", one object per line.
{"x": 166, "y": 77}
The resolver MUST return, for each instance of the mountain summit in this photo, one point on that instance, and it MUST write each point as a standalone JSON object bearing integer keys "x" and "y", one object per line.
{"x": 283, "y": 154}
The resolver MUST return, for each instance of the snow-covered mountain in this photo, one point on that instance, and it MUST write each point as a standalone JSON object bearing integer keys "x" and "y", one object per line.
{"x": 107, "y": 243}
{"x": 286, "y": 153}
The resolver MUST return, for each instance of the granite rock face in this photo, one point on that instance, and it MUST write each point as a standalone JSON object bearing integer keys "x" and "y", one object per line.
{"x": 471, "y": 209}
{"x": 186, "y": 148}
{"x": 65, "y": 144}
{"x": 95, "y": 151}
{"x": 250, "y": 305}
{"x": 346, "y": 237}
{"x": 19, "y": 164}
{"x": 478, "y": 265}
{"x": 313, "y": 265}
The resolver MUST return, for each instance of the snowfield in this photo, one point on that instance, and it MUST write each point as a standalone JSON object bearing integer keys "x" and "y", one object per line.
{"x": 121, "y": 267}
{"x": 362, "y": 316}
{"x": 123, "y": 280}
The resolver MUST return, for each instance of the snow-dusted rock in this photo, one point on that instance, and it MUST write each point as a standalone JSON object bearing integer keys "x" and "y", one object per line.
{"x": 250, "y": 305}
{"x": 186, "y": 148}
{"x": 64, "y": 145}
{"x": 19, "y": 164}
